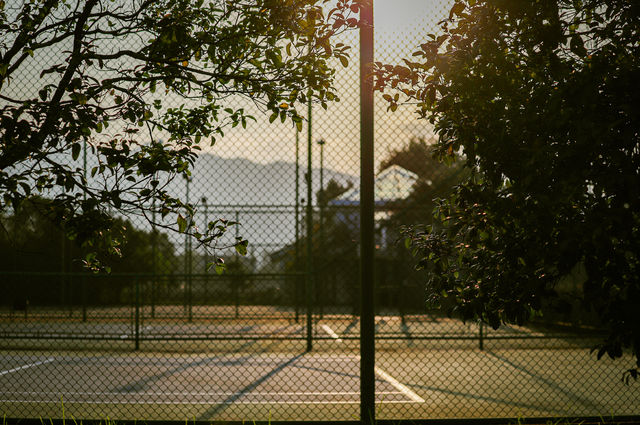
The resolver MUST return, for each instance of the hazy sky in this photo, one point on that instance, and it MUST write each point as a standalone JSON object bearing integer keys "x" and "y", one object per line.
{"x": 400, "y": 27}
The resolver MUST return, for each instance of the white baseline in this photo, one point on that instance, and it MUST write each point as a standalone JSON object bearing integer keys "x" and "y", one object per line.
{"x": 401, "y": 387}
{"x": 27, "y": 366}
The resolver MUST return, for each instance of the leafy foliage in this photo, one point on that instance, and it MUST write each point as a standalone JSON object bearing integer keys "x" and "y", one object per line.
{"x": 333, "y": 190}
{"x": 96, "y": 64}
{"x": 435, "y": 180}
{"x": 30, "y": 241}
{"x": 539, "y": 97}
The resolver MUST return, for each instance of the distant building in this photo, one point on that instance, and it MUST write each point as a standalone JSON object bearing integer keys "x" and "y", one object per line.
{"x": 336, "y": 263}
{"x": 393, "y": 184}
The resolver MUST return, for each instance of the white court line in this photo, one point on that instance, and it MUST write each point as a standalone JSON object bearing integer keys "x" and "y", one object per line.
{"x": 127, "y": 336}
{"x": 27, "y": 366}
{"x": 155, "y": 394}
{"x": 69, "y": 398}
{"x": 390, "y": 379}
{"x": 209, "y": 361}
{"x": 331, "y": 333}
{"x": 171, "y": 403}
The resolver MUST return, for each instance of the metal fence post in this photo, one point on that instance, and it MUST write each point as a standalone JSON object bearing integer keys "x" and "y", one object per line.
{"x": 137, "y": 315}
{"x": 206, "y": 254}
{"x": 188, "y": 301}
{"x": 238, "y": 270}
{"x": 481, "y": 335}
{"x": 296, "y": 282}
{"x": 321, "y": 272}
{"x": 83, "y": 282}
{"x": 309, "y": 274}
{"x": 367, "y": 318}
{"x": 154, "y": 257}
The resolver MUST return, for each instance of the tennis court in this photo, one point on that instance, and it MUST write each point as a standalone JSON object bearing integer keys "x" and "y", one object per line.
{"x": 237, "y": 369}
{"x": 236, "y": 386}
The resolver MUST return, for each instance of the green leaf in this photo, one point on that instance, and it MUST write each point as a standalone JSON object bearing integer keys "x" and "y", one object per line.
{"x": 26, "y": 188}
{"x": 241, "y": 247}
{"x": 182, "y": 223}
{"x": 456, "y": 9}
{"x": 75, "y": 150}
{"x": 577, "y": 46}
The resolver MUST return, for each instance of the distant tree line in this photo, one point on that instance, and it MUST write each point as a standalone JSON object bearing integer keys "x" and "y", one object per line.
{"x": 32, "y": 243}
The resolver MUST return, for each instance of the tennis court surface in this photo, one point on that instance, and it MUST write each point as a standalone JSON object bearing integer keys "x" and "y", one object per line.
{"x": 426, "y": 367}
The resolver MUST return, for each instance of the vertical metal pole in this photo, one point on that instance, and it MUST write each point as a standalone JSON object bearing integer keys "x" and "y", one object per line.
{"x": 296, "y": 288}
{"x": 67, "y": 293}
{"x": 481, "y": 335}
{"x": 206, "y": 252}
{"x": 83, "y": 281}
{"x": 237, "y": 282}
{"x": 401, "y": 300}
{"x": 321, "y": 198}
{"x": 367, "y": 319}
{"x": 154, "y": 254}
{"x": 63, "y": 277}
{"x": 137, "y": 316}
{"x": 309, "y": 274}
{"x": 189, "y": 267}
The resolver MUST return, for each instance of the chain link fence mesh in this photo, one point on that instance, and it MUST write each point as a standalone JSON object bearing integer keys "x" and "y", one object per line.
{"x": 163, "y": 338}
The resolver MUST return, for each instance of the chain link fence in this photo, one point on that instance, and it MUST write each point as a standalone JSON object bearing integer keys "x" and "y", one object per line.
{"x": 276, "y": 337}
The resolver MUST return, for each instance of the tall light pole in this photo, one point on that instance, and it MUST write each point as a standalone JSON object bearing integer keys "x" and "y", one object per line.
{"x": 188, "y": 263}
{"x": 321, "y": 201}
{"x": 296, "y": 288}
{"x": 84, "y": 196}
{"x": 154, "y": 254}
{"x": 206, "y": 252}
{"x": 309, "y": 275}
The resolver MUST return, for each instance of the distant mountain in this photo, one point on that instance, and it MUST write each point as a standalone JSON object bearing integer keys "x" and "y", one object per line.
{"x": 260, "y": 196}
{"x": 240, "y": 181}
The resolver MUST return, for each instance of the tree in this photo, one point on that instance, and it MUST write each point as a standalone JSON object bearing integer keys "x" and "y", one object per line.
{"x": 102, "y": 74}
{"x": 435, "y": 180}
{"x": 32, "y": 242}
{"x": 541, "y": 99}
{"x": 332, "y": 191}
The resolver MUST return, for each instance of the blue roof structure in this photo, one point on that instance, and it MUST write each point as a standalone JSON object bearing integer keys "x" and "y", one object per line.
{"x": 392, "y": 184}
